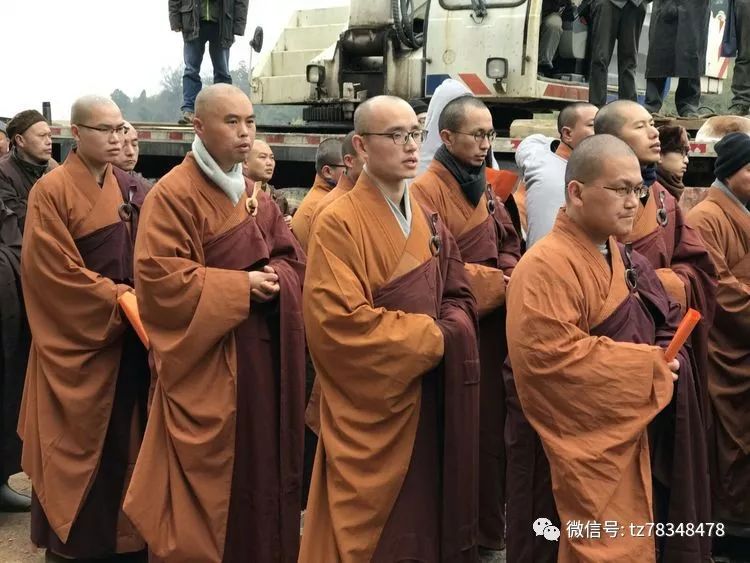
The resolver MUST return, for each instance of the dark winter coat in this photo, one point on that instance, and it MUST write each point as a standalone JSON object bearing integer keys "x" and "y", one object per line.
{"x": 185, "y": 16}
{"x": 678, "y": 39}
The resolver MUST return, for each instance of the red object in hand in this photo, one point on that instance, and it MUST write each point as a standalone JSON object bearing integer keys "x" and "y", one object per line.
{"x": 688, "y": 323}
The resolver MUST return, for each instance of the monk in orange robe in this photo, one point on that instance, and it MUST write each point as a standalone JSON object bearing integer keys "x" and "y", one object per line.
{"x": 723, "y": 220}
{"x": 329, "y": 168}
{"x": 392, "y": 331}
{"x": 455, "y": 186}
{"x": 354, "y": 164}
{"x": 587, "y": 323}
{"x": 219, "y": 283}
{"x": 83, "y": 411}
{"x": 677, "y": 253}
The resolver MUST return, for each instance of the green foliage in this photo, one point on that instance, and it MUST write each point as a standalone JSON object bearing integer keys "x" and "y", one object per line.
{"x": 164, "y": 107}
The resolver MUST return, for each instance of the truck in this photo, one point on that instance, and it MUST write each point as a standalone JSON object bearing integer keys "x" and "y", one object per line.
{"x": 328, "y": 60}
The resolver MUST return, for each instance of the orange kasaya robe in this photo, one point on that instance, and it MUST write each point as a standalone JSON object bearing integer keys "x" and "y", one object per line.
{"x": 490, "y": 248}
{"x": 391, "y": 329}
{"x": 303, "y": 218}
{"x": 219, "y": 473}
{"x": 725, "y": 228}
{"x": 312, "y": 413}
{"x": 587, "y": 388}
{"x": 84, "y": 402}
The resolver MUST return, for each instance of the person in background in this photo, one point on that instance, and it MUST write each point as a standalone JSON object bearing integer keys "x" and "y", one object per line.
{"x": 4, "y": 141}
{"x": 329, "y": 166}
{"x": 215, "y": 22}
{"x": 420, "y": 108}
{"x": 551, "y": 32}
{"x": 30, "y": 157}
{"x": 259, "y": 167}
{"x": 613, "y": 21}
{"x": 678, "y": 33}
{"x": 675, "y": 147}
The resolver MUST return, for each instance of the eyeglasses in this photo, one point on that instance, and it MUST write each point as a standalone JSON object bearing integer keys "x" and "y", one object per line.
{"x": 109, "y": 131}
{"x": 401, "y": 137}
{"x": 639, "y": 191}
{"x": 479, "y": 135}
{"x": 335, "y": 165}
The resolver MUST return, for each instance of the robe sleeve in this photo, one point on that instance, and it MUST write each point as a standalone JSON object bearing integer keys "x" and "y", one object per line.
{"x": 187, "y": 308}
{"x": 732, "y": 295}
{"x": 385, "y": 349}
{"x": 589, "y": 398}
{"x": 692, "y": 264}
{"x": 488, "y": 286}
{"x": 59, "y": 290}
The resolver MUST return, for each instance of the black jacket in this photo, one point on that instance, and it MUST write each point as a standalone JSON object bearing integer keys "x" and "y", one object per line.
{"x": 185, "y": 16}
{"x": 678, "y": 37}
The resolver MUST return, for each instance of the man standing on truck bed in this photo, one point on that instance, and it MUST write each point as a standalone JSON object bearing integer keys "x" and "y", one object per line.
{"x": 201, "y": 21}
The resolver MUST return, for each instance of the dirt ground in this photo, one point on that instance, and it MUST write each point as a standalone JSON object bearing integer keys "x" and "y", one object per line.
{"x": 15, "y": 545}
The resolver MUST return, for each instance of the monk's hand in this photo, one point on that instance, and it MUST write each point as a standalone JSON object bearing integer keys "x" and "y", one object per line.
{"x": 264, "y": 285}
{"x": 288, "y": 220}
{"x": 506, "y": 278}
{"x": 674, "y": 366}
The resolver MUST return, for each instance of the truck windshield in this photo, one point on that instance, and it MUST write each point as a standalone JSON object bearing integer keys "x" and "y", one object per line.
{"x": 469, "y": 4}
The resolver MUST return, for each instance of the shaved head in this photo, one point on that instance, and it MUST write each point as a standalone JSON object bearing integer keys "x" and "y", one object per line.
{"x": 586, "y": 162}
{"x": 363, "y": 117}
{"x": 84, "y": 107}
{"x": 611, "y": 118}
{"x": 261, "y": 146}
{"x": 211, "y": 96}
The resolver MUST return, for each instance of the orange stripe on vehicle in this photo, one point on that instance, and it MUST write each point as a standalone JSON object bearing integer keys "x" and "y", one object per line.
{"x": 475, "y": 84}
{"x": 567, "y": 92}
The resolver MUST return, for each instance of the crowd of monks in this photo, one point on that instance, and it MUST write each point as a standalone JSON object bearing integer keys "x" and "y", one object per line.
{"x": 388, "y": 373}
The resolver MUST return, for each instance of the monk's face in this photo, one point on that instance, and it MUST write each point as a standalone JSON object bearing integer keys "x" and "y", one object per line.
{"x": 99, "y": 139}
{"x": 226, "y": 125}
{"x": 463, "y": 143}
{"x": 385, "y": 158}
{"x": 583, "y": 128}
{"x": 739, "y": 183}
{"x": 36, "y": 142}
{"x": 639, "y": 132}
{"x": 128, "y": 157}
{"x": 603, "y": 212}
{"x": 260, "y": 163}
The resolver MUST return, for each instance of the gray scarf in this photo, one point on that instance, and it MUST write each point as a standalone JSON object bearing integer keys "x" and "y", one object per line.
{"x": 231, "y": 183}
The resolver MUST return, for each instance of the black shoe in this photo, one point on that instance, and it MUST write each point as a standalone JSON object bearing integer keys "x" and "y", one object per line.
{"x": 702, "y": 112}
{"x": 11, "y": 501}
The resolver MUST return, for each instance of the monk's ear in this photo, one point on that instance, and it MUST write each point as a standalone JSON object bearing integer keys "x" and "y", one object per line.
{"x": 198, "y": 125}
{"x": 446, "y": 137}
{"x": 565, "y": 135}
{"x": 359, "y": 145}
{"x": 573, "y": 193}
{"x": 74, "y": 130}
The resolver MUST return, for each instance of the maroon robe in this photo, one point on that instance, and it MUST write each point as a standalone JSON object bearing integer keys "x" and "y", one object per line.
{"x": 679, "y": 434}
{"x": 435, "y": 517}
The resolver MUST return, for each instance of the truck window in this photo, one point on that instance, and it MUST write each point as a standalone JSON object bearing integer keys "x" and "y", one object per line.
{"x": 468, "y": 4}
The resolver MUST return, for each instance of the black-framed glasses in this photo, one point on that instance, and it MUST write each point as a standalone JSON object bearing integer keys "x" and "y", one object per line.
{"x": 479, "y": 135}
{"x": 335, "y": 165}
{"x": 401, "y": 138}
{"x": 109, "y": 131}
{"x": 639, "y": 191}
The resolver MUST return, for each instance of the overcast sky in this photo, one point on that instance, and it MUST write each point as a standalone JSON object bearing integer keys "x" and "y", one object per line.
{"x": 57, "y": 50}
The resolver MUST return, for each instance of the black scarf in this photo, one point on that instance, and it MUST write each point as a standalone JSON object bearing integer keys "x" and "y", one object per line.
{"x": 472, "y": 179}
{"x": 649, "y": 174}
{"x": 32, "y": 171}
{"x": 671, "y": 181}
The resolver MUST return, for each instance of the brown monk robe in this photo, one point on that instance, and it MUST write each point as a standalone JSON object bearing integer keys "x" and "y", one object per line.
{"x": 724, "y": 224}
{"x": 678, "y": 436}
{"x": 218, "y": 477}
{"x": 354, "y": 164}
{"x": 329, "y": 169}
{"x": 585, "y": 340}
{"x": 83, "y": 410}
{"x": 393, "y": 337}
{"x": 490, "y": 249}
